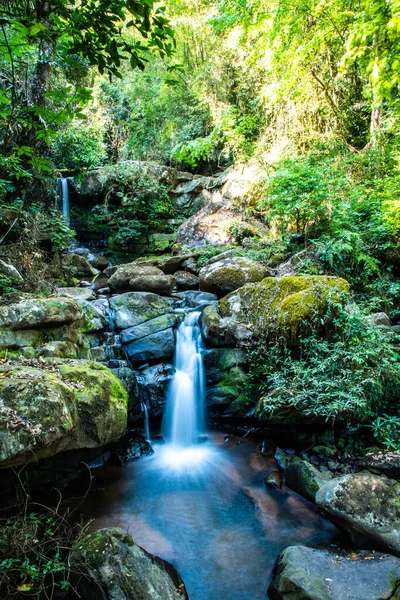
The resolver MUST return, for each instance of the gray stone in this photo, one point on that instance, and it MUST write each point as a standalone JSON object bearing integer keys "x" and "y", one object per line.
{"x": 134, "y": 308}
{"x": 153, "y": 383}
{"x": 381, "y": 320}
{"x": 229, "y": 274}
{"x": 157, "y": 346}
{"x": 186, "y": 280}
{"x": 77, "y": 293}
{"x": 78, "y": 265}
{"x": 303, "y": 573}
{"x": 149, "y": 327}
{"x": 39, "y": 312}
{"x": 122, "y": 276}
{"x": 304, "y": 478}
{"x": 198, "y": 299}
{"x": 113, "y": 567}
{"x": 364, "y": 504}
{"x": 383, "y": 462}
{"x": 158, "y": 284}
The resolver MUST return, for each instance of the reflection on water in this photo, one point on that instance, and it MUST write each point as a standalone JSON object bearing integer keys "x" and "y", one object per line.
{"x": 206, "y": 510}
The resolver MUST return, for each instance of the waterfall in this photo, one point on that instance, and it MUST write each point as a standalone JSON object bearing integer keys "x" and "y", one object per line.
{"x": 63, "y": 187}
{"x": 184, "y": 417}
{"x": 146, "y": 422}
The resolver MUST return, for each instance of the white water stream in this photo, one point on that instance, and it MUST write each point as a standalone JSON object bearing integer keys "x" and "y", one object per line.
{"x": 63, "y": 186}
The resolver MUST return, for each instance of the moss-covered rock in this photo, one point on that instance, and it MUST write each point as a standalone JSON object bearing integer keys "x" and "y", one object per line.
{"x": 304, "y": 478}
{"x": 122, "y": 275}
{"x": 303, "y": 573}
{"x": 77, "y": 265}
{"x": 224, "y": 276}
{"x": 39, "y": 312}
{"x": 281, "y": 305}
{"x": 212, "y": 329}
{"x": 113, "y": 567}
{"x": 225, "y": 375}
{"x": 186, "y": 280}
{"x": 46, "y": 409}
{"x": 134, "y": 308}
{"x": 364, "y": 504}
{"x": 157, "y": 284}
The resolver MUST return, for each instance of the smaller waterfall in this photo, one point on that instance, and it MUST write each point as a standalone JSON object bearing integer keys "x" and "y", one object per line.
{"x": 184, "y": 418}
{"x": 62, "y": 183}
{"x": 146, "y": 422}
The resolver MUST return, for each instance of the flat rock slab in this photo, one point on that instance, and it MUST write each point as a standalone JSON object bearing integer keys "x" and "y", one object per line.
{"x": 304, "y": 573}
{"x": 78, "y": 294}
{"x": 133, "y": 308}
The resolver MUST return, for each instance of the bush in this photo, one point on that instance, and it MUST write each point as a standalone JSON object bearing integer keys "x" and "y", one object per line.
{"x": 79, "y": 147}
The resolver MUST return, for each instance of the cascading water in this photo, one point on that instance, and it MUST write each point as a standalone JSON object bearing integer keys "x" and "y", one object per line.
{"x": 63, "y": 187}
{"x": 146, "y": 422}
{"x": 183, "y": 422}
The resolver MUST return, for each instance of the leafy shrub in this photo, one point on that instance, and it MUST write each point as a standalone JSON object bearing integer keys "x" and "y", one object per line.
{"x": 386, "y": 429}
{"x": 79, "y": 147}
{"x": 350, "y": 374}
{"x": 240, "y": 230}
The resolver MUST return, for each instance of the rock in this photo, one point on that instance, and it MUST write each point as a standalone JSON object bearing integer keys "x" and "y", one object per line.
{"x": 99, "y": 283}
{"x": 386, "y": 463}
{"x": 153, "y": 383}
{"x": 280, "y": 305}
{"x": 134, "y": 308}
{"x": 197, "y": 299}
{"x": 304, "y": 478}
{"x": 104, "y": 560}
{"x": 122, "y": 276}
{"x": 186, "y": 280}
{"x": 77, "y": 265}
{"x": 11, "y": 272}
{"x": 381, "y": 320}
{"x": 273, "y": 479}
{"x": 157, "y": 346}
{"x": 58, "y": 349}
{"x": 45, "y": 410}
{"x": 78, "y": 294}
{"x": 39, "y": 312}
{"x": 168, "y": 264}
{"x": 364, "y": 504}
{"x": 97, "y": 261}
{"x": 148, "y": 328}
{"x": 229, "y": 274}
{"x": 303, "y": 573}
{"x": 158, "y": 284}
{"x": 212, "y": 327}
{"x": 281, "y": 459}
{"x": 225, "y": 377}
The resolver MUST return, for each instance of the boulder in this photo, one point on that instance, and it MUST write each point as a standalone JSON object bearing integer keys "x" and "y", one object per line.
{"x": 77, "y": 293}
{"x": 158, "y": 284}
{"x": 304, "y": 478}
{"x": 153, "y": 383}
{"x": 148, "y": 328}
{"x": 39, "y": 312}
{"x": 212, "y": 326}
{"x": 225, "y": 375}
{"x": 11, "y": 272}
{"x": 57, "y": 349}
{"x": 383, "y": 462}
{"x": 364, "y": 504}
{"x": 134, "y": 308}
{"x": 186, "y": 280}
{"x": 229, "y": 274}
{"x": 156, "y": 346}
{"x": 122, "y": 276}
{"x": 168, "y": 264}
{"x": 46, "y": 409}
{"x": 280, "y": 305}
{"x": 113, "y": 567}
{"x": 381, "y": 319}
{"x": 303, "y": 573}
{"x": 198, "y": 299}
{"x": 77, "y": 265}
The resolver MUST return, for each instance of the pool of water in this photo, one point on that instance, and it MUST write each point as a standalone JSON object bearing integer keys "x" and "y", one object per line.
{"x": 207, "y": 511}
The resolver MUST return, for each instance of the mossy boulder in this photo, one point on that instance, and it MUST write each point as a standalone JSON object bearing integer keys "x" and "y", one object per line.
{"x": 133, "y": 308}
{"x": 303, "y": 573}
{"x": 123, "y": 274}
{"x": 281, "y": 305}
{"x": 224, "y": 276}
{"x": 46, "y": 409}
{"x": 364, "y": 504}
{"x": 113, "y": 567}
{"x": 304, "y": 478}
{"x": 39, "y": 312}
{"x": 225, "y": 375}
{"x": 212, "y": 329}
{"x": 186, "y": 280}
{"x": 158, "y": 284}
{"x": 77, "y": 265}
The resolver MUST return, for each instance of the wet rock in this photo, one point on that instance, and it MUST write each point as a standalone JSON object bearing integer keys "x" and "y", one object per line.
{"x": 11, "y": 272}
{"x": 281, "y": 458}
{"x": 153, "y": 384}
{"x": 148, "y": 328}
{"x": 134, "y": 308}
{"x": 39, "y": 312}
{"x": 212, "y": 327}
{"x": 304, "y": 478}
{"x": 229, "y": 274}
{"x": 156, "y": 346}
{"x": 99, "y": 283}
{"x": 186, "y": 280}
{"x": 274, "y": 479}
{"x": 122, "y": 276}
{"x": 280, "y": 305}
{"x": 106, "y": 558}
{"x": 48, "y": 409}
{"x": 303, "y": 573}
{"x": 77, "y": 265}
{"x": 198, "y": 299}
{"x": 97, "y": 261}
{"x": 225, "y": 378}
{"x": 364, "y": 504}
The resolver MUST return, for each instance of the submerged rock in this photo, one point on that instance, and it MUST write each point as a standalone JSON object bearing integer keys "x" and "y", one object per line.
{"x": 303, "y": 573}
{"x": 113, "y": 567}
{"x": 364, "y": 504}
{"x": 229, "y": 274}
{"x": 47, "y": 409}
{"x": 279, "y": 305}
